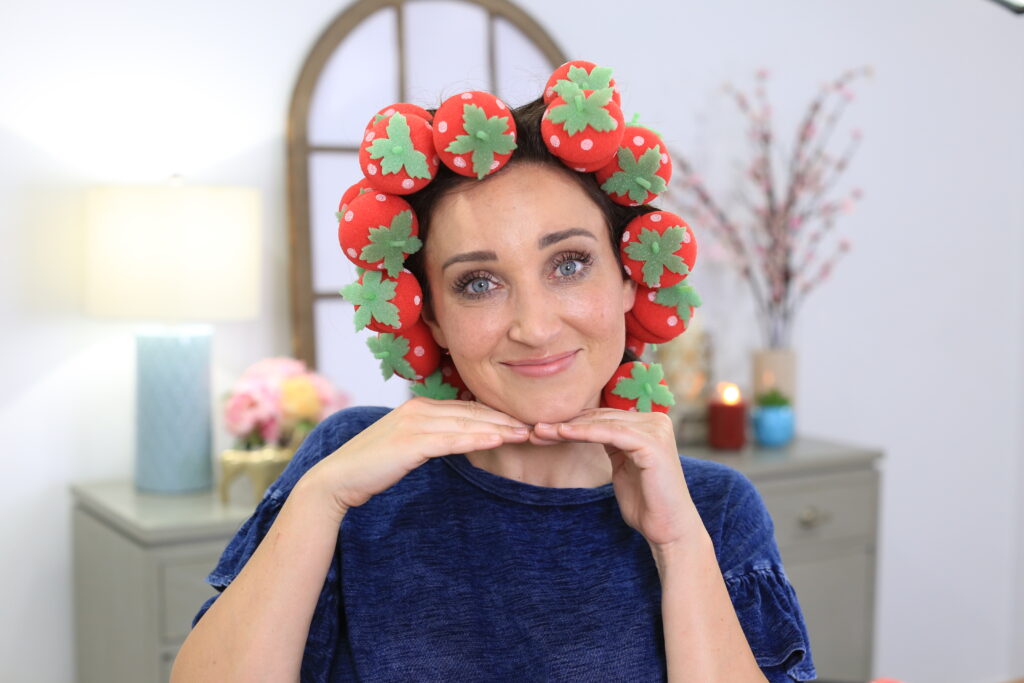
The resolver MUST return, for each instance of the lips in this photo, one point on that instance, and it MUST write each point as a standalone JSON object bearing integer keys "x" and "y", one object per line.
{"x": 543, "y": 367}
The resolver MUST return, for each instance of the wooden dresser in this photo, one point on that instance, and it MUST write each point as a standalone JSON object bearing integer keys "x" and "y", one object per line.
{"x": 140, "y": 560}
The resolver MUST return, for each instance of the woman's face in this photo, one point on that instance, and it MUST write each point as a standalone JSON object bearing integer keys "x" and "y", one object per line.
{"x": 520, "y": 267}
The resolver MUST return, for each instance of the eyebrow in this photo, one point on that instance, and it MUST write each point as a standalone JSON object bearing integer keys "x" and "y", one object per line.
{"x": 544, "y": 241}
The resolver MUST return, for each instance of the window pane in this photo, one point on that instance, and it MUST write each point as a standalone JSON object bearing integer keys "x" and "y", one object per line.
{"x": 330, "y": 174}
{"x": 358, "y": 79}
{"x": 522, "y": 69}
{"x": 445, "y": 50}
{"x": 344, "y": 358}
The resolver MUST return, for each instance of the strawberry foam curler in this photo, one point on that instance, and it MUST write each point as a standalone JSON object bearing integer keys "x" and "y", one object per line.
{"x": 583, "y": 128}
{"x": 351, "y": 193}
{"x": 587, "y": 75}
{"x": 638, "y": 386}
{"x": 474, "y": 133}
{"x": 397, "y": 154}
{"x": 411, "y": 353}
{"x": 639, "y": 171}
{"x": 378, "y": 231}
{"x": 659, "y": 315}
{"x": 385, "y": 304}
{"x": 399, "y": 107}
{"x": 658, "y": 249}
{"x": 443, "y": 384}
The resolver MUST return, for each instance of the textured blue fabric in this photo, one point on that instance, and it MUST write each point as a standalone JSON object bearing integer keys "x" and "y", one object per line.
{"x": 457, "y": 574}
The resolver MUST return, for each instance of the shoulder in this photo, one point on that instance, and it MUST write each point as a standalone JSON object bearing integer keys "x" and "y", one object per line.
{"x": 330, "y": 434}
{"x": 734, "y": 513}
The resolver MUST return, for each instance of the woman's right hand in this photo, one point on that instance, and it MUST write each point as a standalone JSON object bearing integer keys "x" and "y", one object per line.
{"x": 421, "y": 428}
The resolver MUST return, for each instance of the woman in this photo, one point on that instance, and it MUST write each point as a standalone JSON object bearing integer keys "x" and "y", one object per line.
{"x": 529, "y": 534}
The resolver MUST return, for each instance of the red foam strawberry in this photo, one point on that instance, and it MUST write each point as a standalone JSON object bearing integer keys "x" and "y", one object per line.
{"x": 659, "y": 315}
{"x": 378, "y": 231}
{"x": 397, "y": 154}
{"x": 586, "y": 75}
{"x": 638, "y": 386}
{"x": 410, "y": 353}
{"x": 641, "y": 169}
{"x": 385, "y": 304}
{"x": 634, "y": 344}
{"x": 351, "y": 193}
{"x": 443, "y": 384}
{"x": 474, "y": 133}
{"x": 402, "y": 107}
{"x": 583, "y": 128}
{"x": 658, "y": 249}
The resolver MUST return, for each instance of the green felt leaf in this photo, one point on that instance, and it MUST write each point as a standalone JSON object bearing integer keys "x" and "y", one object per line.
{"x": 485, "y": 137}
{"x": 637, "y": 176}
{"x": 598, "y": 78}
{"x": 373, "y": 297}
{"x": 398, "y": 152}
{"x": 390, "y": 350}
{"x": 392, "y": 243}
{"x": 681, "y": 296}
{"x": 657, "y": 251}
{"x": 643, "y": 385}
{"x": 435, "y": 387}
{"x": 581, "y": 111}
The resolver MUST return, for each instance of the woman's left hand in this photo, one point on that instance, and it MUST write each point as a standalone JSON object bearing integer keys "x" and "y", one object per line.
{"x": 646, "y": 472}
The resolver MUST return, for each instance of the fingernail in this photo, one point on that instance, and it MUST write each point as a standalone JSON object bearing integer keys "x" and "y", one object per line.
{"x": 542, "y": 425}
{"x": 521, "y": 430}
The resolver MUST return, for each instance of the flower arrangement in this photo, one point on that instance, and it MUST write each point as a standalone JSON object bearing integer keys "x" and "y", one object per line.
{"x": 781, "y": 214}
{"x": 276, "y": 402}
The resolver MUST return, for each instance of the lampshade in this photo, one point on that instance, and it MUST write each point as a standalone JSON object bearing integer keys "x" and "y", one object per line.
{"x": 173, "y": 253}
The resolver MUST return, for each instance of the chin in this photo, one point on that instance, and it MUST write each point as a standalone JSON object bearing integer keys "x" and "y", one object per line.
{"x": 560, "y": 408}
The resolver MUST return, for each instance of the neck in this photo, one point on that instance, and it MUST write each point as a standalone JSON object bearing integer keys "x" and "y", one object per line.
{"x": 560, "y": 465}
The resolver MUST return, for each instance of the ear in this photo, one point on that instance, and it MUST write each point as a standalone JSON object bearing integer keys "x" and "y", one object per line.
{"x": 628, "y": 294}
{"x": 427, "y": 315}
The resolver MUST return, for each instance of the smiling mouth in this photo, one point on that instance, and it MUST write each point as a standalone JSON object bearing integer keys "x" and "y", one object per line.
{"x": 544, "y": 367}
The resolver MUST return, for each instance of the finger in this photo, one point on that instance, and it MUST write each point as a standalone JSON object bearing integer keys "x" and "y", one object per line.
{"x": 446, "y": 443}
{"x": 605, "y": 432}
{"x": 472, "y": 409}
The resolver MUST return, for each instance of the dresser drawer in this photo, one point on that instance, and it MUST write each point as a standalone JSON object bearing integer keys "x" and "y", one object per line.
{"x": 827, "y": 507}
{"x": 183, "y": 590}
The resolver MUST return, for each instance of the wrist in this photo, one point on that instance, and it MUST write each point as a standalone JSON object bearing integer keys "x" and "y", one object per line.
{"x": 692, "y": 547}
{"x": 312, "y": 493}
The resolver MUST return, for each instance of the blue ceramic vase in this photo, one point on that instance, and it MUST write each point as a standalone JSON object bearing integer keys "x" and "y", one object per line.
{"x": 773, "y": 425}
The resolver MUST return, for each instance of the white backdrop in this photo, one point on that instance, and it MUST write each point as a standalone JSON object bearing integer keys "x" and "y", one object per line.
{"x": 915, "y": 345}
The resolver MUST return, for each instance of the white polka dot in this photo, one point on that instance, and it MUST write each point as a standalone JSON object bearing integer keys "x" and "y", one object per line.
{"x": 434, "y": 160}
{"x": 581, "y": 170}
{"x": 467, "y": 95}
{"x": 351, "y": 252}
{"x": 633, "y": 408}
{"x": 549, "y": 92}
{"x": 407, "y": 184}
{"x": 686, "y": 237}
{"x": 651, "y": 295}
{"x": 381, "y": 197}
{"x": 349, "y": 216}
{"x": 380, "y": 266}
{"x": 628, "y": 271}
{"x": 625, "y": 236}
{"x": 389, "y": 111}
{"x": 419, "y": 376}
{"x": 495, "y": 164}
{"x": 501, "y": 105}
{"x": 419, "y": 351}
{"x": 655, "y": 217}
{"x": 416, "y": 300}
{"x": 664, "y": 158}
{"x": 673, "y": 321}
{"x": 369, "y": 136}
{"x": 634, "y": 204}
{"x": 371, "y": 169}
{"x": 555, "y": 142}
{"x": 442, "y": 126}
{"x": 638, "y": 140}
{"x": 459, "y": 161}
{"x": 586, "y": 144}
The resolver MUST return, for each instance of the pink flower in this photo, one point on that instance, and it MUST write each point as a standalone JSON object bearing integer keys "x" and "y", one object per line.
{"x": 332, "y": 399}
{"x": 250, "y": 404}
{"x": 270, "y": 431}
{"x": 274, "y": 370}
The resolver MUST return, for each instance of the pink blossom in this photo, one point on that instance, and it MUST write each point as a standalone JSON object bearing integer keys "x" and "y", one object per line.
{"x": 274, "y": 370}
{"x": 332, "y": 399}
{"x": 271, "y": 431}
{"x": 251, "y": 404}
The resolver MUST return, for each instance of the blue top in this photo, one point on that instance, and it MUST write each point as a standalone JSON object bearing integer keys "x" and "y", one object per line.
{"x": 458, "y": 574}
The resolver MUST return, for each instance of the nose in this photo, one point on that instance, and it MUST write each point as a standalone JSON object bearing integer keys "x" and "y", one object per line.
{"x": 536, "y": 318}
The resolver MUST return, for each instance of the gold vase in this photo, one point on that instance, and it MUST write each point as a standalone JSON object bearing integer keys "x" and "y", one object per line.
{"x": 262, "y": 465}
{"x": 775, "y": 368}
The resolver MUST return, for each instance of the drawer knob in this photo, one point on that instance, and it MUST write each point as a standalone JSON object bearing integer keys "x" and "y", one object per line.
{"x": 811, "y": 516}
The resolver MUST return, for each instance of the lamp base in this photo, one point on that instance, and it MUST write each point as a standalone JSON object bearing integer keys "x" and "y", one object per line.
{"x": 173, "y": 434}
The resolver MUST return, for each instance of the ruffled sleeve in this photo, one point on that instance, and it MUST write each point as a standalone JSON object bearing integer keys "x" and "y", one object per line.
{"x": 765, "y": 601}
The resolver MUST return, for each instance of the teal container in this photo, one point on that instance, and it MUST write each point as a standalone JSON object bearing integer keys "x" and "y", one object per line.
{"x": 773, "y": 425}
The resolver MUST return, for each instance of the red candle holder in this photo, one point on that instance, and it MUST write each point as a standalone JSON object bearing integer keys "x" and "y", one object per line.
{"x": 727, "y": 418}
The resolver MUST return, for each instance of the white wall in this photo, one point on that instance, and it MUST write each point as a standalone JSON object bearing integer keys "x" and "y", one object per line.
{"x": 915, "y": 345}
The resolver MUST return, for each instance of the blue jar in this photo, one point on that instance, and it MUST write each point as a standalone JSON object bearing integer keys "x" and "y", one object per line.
{"x": 773, "y": 425}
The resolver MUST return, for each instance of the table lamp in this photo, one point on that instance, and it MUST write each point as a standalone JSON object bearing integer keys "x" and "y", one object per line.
{"x": 173, "y": 256}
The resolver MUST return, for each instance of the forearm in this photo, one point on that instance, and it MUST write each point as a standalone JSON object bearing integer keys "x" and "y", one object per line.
{"x": 703, "y": 638}
{"x": 256, "y": 630}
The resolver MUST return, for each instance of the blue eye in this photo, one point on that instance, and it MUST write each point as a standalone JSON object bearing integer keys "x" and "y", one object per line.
{"x": 474, "y": 285}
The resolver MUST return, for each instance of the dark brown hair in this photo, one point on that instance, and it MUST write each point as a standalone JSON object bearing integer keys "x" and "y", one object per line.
{"x": 530, "y": 148}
